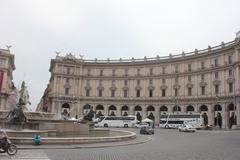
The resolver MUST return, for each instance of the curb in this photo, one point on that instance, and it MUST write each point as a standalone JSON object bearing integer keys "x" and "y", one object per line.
{"x": 95, "y": 145}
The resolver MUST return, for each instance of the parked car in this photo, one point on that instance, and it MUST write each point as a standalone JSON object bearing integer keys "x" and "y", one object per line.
{"x": 187, "y": 128}
{"x": 140, "y": 125}
{"x": 147, "y": 130}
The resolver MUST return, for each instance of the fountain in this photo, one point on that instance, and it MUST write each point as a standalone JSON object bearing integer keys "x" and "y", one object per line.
{"x": 21, "y": 125}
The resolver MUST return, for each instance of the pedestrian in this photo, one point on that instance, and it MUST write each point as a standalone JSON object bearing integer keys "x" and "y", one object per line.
{"x": 37, "y": 139}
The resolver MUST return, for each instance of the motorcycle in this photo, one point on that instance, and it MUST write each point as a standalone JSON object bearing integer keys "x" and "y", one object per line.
{"x": 7, "y": 146}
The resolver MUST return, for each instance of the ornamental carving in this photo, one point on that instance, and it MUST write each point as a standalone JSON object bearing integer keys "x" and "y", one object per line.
{"x": 138, "y": 88}
{"x": 163, "y": 87}
{"x": 151, "y": 87}
{"x": 125, "y": 88}
{"x": 176, "y": 86}
{"x": 202, "y": 84}
{"x": 216, "y": 82}
{"x": 88, "y": 88}
{"x": 230, "y": 80}
{"x": 100, "y": 88}
{"x": 113, "y": 88}
{"x": 189, "y": 85}
{"x": 67, "y": 85}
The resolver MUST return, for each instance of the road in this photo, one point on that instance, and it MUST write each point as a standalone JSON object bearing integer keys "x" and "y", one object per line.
{"x": 165, "y": 145}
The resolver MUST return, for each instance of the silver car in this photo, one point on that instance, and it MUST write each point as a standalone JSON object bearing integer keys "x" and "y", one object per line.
{"x": 187, "y": 128}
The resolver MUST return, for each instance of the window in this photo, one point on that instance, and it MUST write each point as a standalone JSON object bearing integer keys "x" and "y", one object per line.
{"x": 138, "y": 82}
{"x": 176, "y": 69}
{"x": 88, "y": 72}
{"x": 176, "y": 79}
{"x": 230, "y": 59}
{"x": 189, "y": 78}
{"x": 163, "y": 92}
{"x": 176, "y": 92}
{"x": 112, "y": 93}
{"x": 113, "y": 72}
{"x": 68, "y": 70}
{"x": 125, "y": 82}
{"x": 203, "y": 90}
{"x": 138, "y": 71}
{"x": 88, "y": 82}
{"x": 126, "y": 72}
{"x": 216, "y": 62}
{"x": 101, "y": 72}
{"x": 66, "y": 91}
{"x": 189, "y": 91}
{"x": 87, "y": 92}
{"x": 189, "y": 67}
{"x": 216, "y": 89}
{"x": 151, "y": 71}
{"x": 125, "y": 93}
{"x": 67, "y": 80}
{"x": 230, "y": 85}
{"x": 150, "y": 81}
{"x": 163, "y": 81}
{"x": 216, "y": 75}
{"x": 138, "y": 93}
{"x": 113, "y": 82}
{"x": 202, "y": 77}
{"x": 230, "y": 72}
{"x": 202, "y": 65}
{"x": 150, "y": 93}
{"x": 100, "y": 93}
{"x": 163, "y": 70}
{"x": 100, "y": 82}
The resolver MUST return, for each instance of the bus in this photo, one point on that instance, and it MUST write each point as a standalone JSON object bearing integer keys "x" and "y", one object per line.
{"x": 177, "y": 120}
{"x": 117, "y": 121}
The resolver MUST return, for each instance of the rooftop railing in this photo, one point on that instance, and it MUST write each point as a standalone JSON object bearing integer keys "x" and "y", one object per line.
{"x": 208, "y": 50}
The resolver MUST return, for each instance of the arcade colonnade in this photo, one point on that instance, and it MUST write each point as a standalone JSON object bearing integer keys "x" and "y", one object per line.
{"x": 217, "y": 114}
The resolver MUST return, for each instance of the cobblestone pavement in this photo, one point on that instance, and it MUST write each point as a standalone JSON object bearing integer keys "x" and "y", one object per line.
{"x": 26, "y": 155}
{"x": 166, "y": 145}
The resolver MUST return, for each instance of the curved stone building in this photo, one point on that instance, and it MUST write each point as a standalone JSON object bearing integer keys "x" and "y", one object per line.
{"x": 204, "y": 81}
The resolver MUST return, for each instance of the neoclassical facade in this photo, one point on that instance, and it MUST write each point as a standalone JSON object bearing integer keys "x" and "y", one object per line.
{"x": 203, "y": 81}
{"x": 7, "y": 66}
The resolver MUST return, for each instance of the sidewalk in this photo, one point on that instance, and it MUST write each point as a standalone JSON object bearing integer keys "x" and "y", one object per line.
{"x": 139, "y": 140}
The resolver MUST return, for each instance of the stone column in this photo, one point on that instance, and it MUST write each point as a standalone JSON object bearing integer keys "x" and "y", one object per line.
{"x": 211, "y": 115}
{"x": 118, "y": 111}
{"x": 157, "y": 116}
{"x": 105, "y": 112}
{"x": 238, "y": 113}
{"x": 144, "y": 112}
{"x": 225, "y": 116}
{"x": 131, "y": 110}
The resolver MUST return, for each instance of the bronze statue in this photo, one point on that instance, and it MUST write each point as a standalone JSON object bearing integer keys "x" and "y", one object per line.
{"x": 16, "y": 115}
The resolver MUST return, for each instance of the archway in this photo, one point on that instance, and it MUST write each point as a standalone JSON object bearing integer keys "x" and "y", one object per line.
{"x": 163, "y": 110}
{"x": 203, "y": 108}
{"x": 112, "y": 110}
{"x": 190, "y": 109}
{"x": 232, "y": 115}
{"x": 124, "y": 110}
{"x": 176, "y": 109}
{"x": 99, "y": 110}
{"x": 86, "y": 108}
{"x": 150, "y": 112}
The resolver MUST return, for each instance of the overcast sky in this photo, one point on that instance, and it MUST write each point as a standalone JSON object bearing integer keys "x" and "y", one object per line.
{"x": 108, "y": 29}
